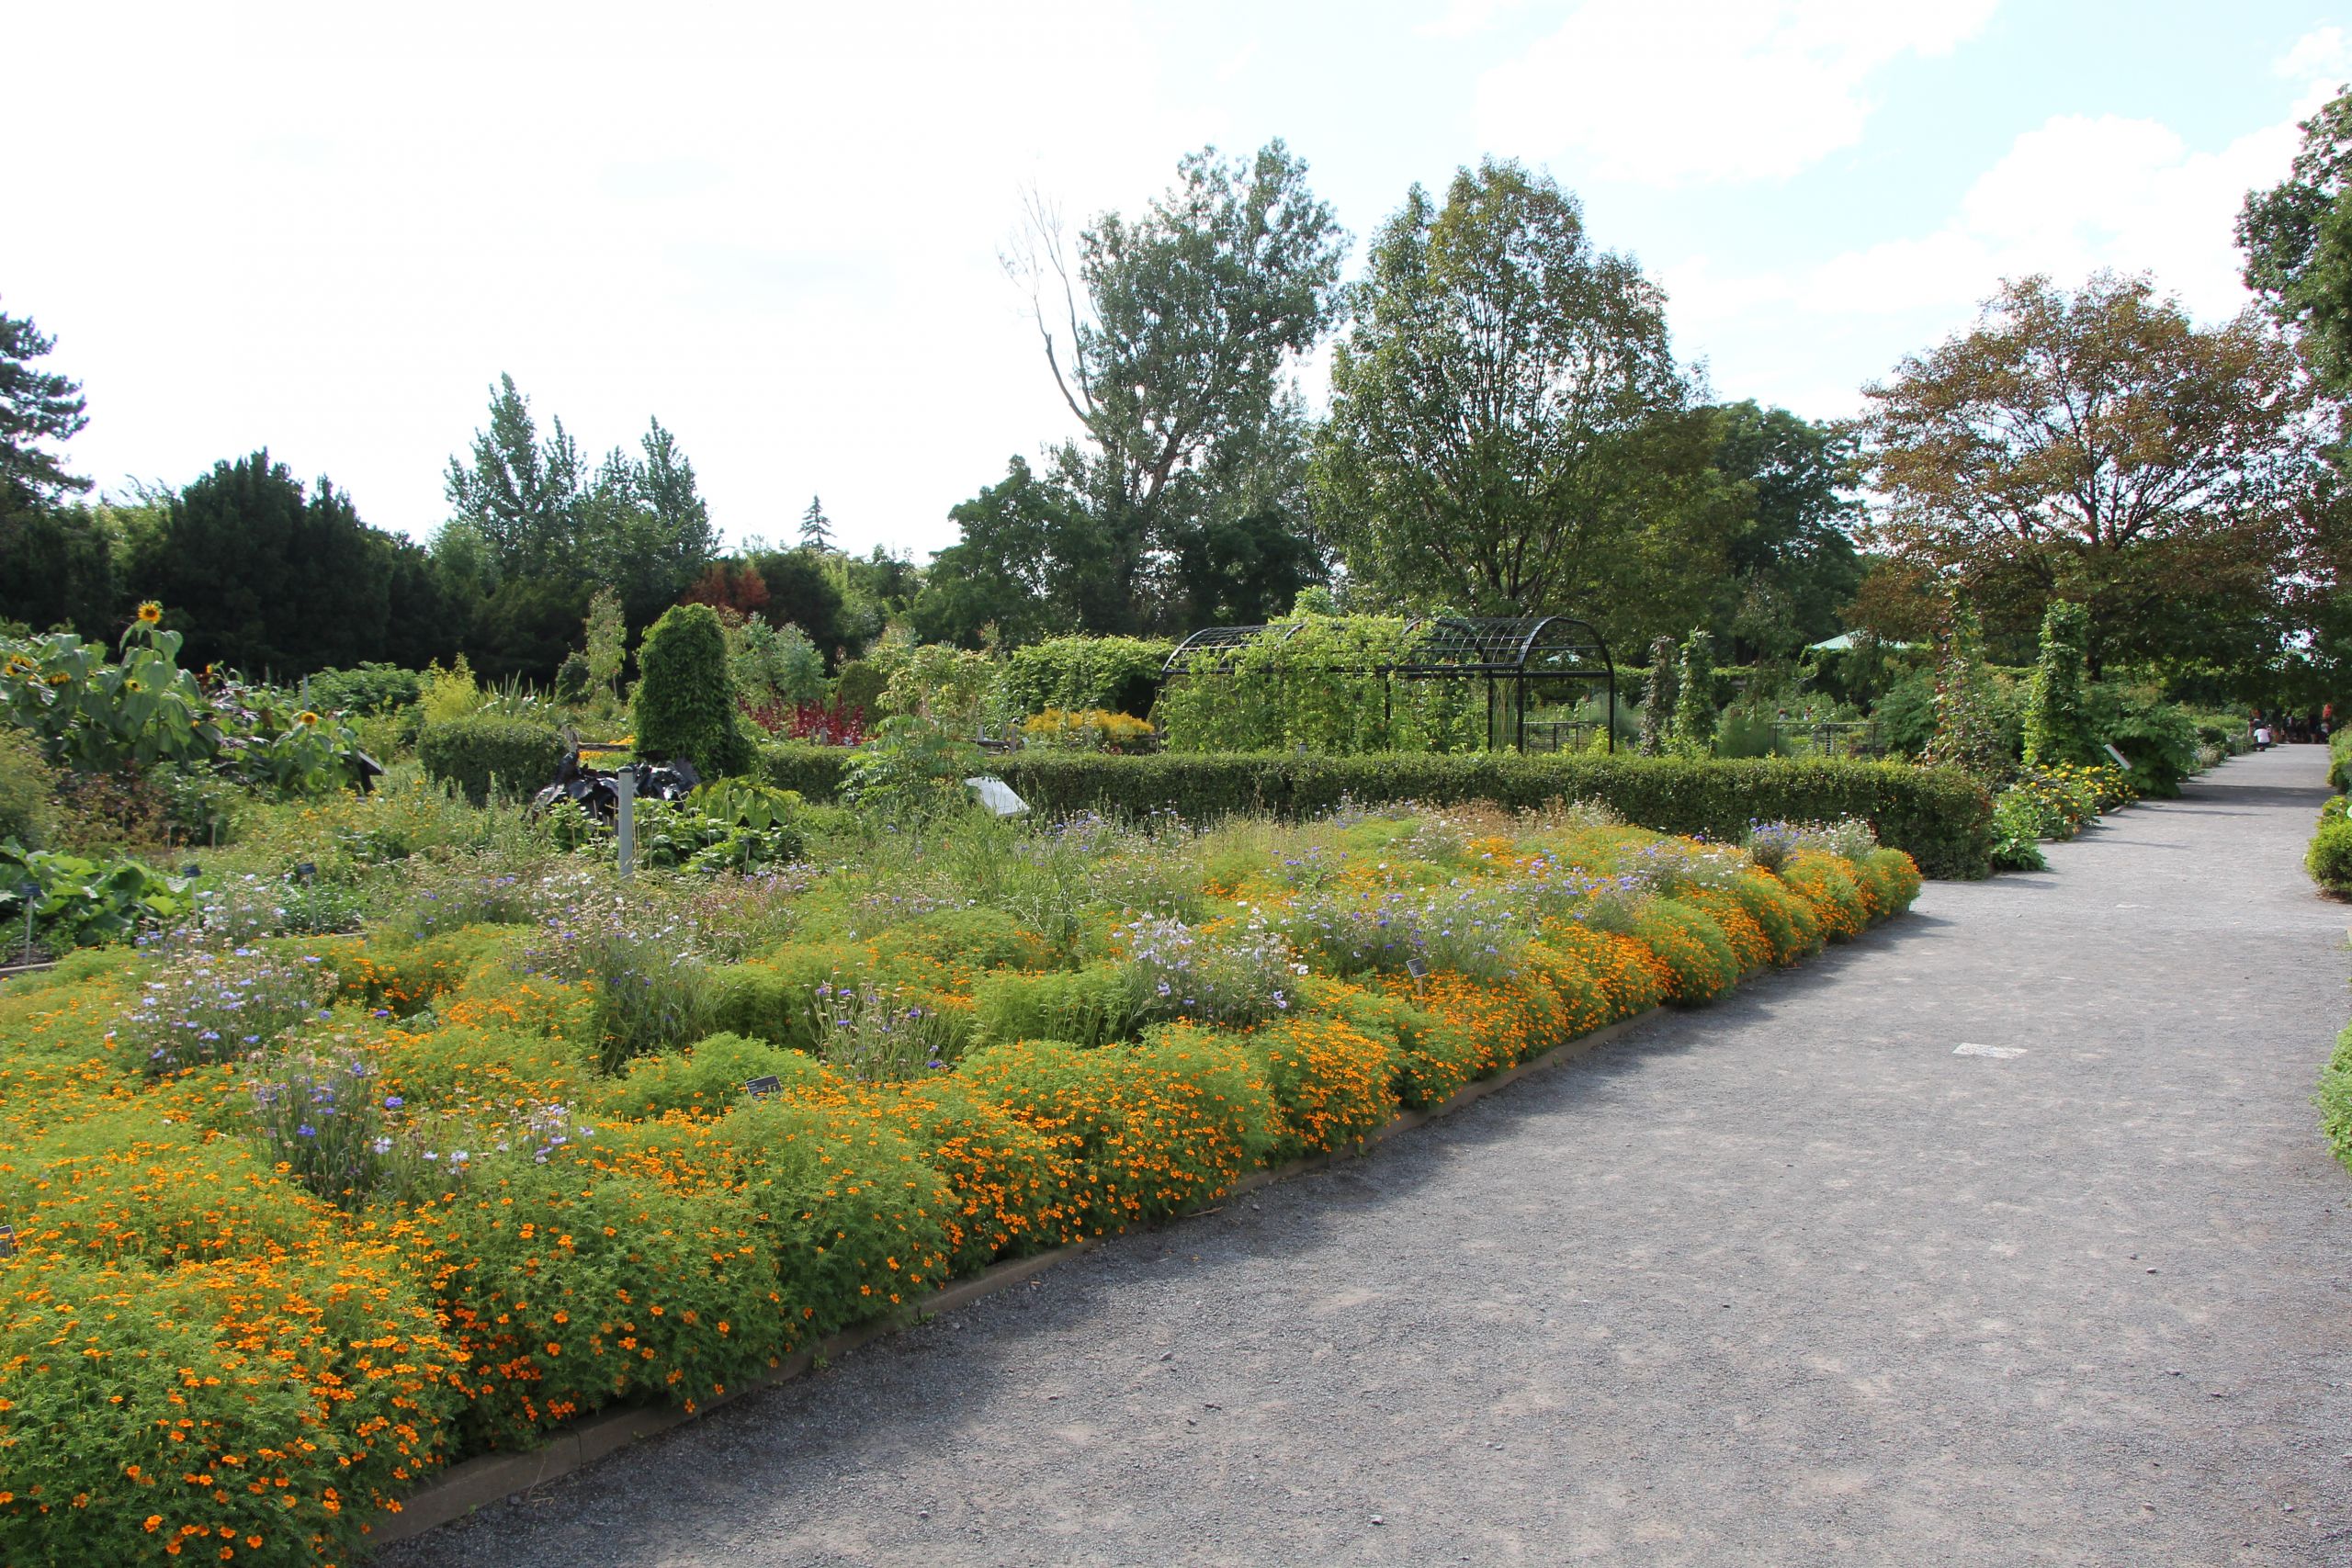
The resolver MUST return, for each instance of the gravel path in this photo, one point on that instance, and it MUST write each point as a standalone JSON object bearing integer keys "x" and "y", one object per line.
{"x": 1783, "y": 1281}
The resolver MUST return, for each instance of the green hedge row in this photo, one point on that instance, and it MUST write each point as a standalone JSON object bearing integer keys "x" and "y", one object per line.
{"x": 520, "y": 756}
{"x": 1942, "y": 818}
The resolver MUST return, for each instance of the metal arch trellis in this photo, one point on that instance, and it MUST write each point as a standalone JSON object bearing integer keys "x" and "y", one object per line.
{"x": 1507, "y": 652}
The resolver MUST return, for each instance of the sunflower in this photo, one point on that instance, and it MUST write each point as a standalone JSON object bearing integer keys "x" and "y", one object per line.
{"x": 306, "y": 718}
{"x": 151, "y": 614}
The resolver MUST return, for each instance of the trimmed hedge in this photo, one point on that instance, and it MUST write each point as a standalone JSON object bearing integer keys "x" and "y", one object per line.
{"x": 1939, "y": 816}
{"x": 815, "y": 771}
{"x": 469, "y": 753}
{"x": 1942, "y": 818}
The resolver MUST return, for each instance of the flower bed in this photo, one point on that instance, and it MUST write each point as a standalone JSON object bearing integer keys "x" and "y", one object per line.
{"x": 297, "y": 1221}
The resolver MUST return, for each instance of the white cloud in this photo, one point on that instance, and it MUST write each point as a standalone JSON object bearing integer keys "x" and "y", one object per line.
{"x": 1465, "y": 18}
{"x": 2320, "y": 55}
{"x": 1676, "y": 91}
{"x": 2074, "y": 195}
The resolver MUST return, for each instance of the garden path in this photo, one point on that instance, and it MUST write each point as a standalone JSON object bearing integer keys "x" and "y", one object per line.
{"x": 1781, "y": 1282}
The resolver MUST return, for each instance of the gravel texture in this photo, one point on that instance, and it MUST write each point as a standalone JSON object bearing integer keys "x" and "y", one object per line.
{"x": 1781, "y": 1282}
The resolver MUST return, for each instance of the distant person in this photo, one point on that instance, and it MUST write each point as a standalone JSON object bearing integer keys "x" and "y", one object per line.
{"x": 2262, "y": 735}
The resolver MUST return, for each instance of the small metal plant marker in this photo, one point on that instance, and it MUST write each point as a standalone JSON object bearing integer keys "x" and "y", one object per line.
{"x": 759, "y": 1089}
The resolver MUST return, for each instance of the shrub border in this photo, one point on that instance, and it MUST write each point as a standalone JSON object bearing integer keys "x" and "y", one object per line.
{"x": 483, "y": 1480}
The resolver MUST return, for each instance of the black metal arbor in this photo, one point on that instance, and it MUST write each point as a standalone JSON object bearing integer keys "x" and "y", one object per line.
{"x": 1520, "y": 660}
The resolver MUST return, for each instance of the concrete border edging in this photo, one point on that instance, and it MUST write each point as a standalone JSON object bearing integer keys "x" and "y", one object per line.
{"x": 485, "y": 1478}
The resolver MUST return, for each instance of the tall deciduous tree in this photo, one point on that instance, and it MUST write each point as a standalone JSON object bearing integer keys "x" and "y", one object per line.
{"x": 2101, "y": 446}
{"x": 1498, "y": 405}
{"x": 1788, "y": 551}
{"x": 2298, "y": 242}
{"x": 1173, "y": 337}
{"x": 36, "y": 406}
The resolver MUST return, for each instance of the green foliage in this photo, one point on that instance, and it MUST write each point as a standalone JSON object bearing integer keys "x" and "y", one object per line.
{"x": 267, "y": 578}
{"x": 1086, "y": 1007}
{"x": 1497, "y": 404}
{"x": 35, "y": 406}
{"x": 2335, "y": 1100}
{"x": 1694, "y": 704}
{"x": 2329, "y": 858}
{"x": 1941, "y": 817}
{"x": 372, "y": 688}
{"x": 2298, "y": 242}
{"x": 1658, "y": 696}
{"x": 705, "y": 1079}
{"x": 2057, "y": 729}
{"x": 571, "y": 679}
{"x": 950, "y": 686}
{"x": 27, "y": 788}
{"x": 911, "y": 769}
{"x": 727, "y": 825}
{"x": 93, "y": 713}
{"x": 685, "y": 697}
{"x": 813, "y": 772}
{"x": 484, "y": 754}
{"x": 1074, "y": 673}
{"x": 1314, "y": 683}
{"x": 79, "y": 901}
{"x": 2157, "y": 738}
{"x": 1967, "y": 733}
{"x": 606, "y": 641}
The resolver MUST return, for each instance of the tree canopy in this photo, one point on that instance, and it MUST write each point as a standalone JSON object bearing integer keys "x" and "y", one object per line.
{"x": 2101, "y": 446}
{"x": 1496, "y": 405}
{"x": 1173, "y": 338}
{"x": 36, "y": 406}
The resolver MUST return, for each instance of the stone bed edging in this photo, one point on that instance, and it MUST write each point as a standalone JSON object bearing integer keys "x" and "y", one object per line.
{"x": 484, "y": 1479}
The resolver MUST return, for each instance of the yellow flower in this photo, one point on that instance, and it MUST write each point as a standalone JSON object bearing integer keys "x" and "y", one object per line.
{"x": 306, "y": 718}
{"x": 151, "y": 614}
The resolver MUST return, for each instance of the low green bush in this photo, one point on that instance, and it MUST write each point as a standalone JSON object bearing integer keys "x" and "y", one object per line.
{"x": 366, "y": 689}
{"x": 707, "y": 1079}
{"x": 482, "y": 752}
{"x": 2329, "y": 859}
{"x": 2335, "y": 1100}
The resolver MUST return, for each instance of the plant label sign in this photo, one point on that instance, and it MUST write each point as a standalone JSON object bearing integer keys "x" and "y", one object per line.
{"x": 759, "y": 1089}
{"x": 1418, "y": 969}
{"x": 7, "y": 1241}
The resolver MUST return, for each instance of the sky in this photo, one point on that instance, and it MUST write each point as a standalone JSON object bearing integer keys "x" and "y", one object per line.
{"x": 327, "y": 230}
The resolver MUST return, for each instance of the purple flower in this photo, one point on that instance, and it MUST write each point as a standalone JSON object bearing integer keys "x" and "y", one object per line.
{"x": 393, "y": 1102}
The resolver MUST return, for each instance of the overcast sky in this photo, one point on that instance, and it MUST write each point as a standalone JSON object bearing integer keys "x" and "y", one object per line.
{"x": 327, "y": 229}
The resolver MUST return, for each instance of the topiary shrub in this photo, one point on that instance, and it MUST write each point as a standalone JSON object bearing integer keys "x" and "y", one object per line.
{"x": 571, "y": 679}
{"x": 686, "y": 696}
{"x": 483, "y": 751}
